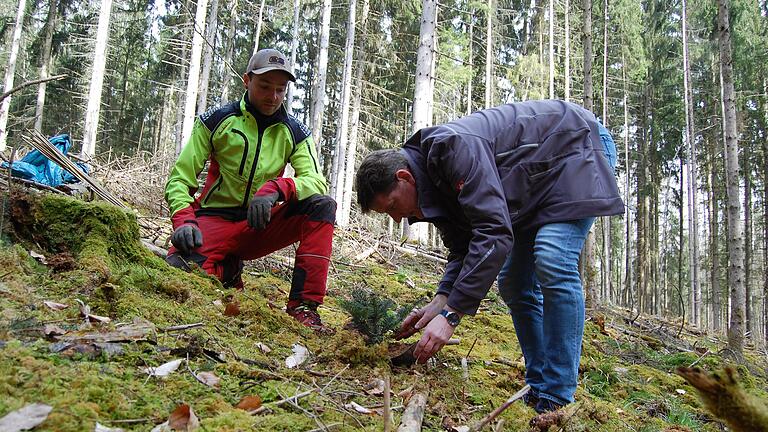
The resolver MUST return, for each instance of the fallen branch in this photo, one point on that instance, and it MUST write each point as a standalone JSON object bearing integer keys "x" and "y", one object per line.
{"x": 366, "y": 253}
{"x": 387, "y": 411}
{"x": 724, "y": 397}
{"x": 489, "y": 418}
{"x": 291, "y": 399}
{"x": 181, "y": 327}
{"x": 414, "y": 414}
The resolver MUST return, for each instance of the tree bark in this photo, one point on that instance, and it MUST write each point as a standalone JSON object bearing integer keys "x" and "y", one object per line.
{"x": 342, "y": 131}
{"x": 45, "y": 64}
{"x": 489, "y": 56}
{"x": 227, "y": 63}
{"x": 551, "y": 49}
{"x": 97, "y": 80}
{"x": 294, "y": 51}
{"x": 10, "y": 72}
{"x": 567, "y": 72}
{"x": 257, "y": 36}
{"x": 735, "y": 222}
{"x": 471, "y": 60}
{"x": 193, "y": 77}
{"x": 587, "y": 42}
{"x": 318, "y": 93}
{"x": 606, "y": 221}
{"x": 422, "y": 94}
{"x": 209, "y": 45}
{"x": 690, "y": 142}
{"x": 349, "y": 176}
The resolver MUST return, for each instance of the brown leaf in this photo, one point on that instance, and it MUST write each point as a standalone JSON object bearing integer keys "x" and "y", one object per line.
{"x": 232, "y": 309}
{"x": 183, "y": 419}
{"x": 249, "y": 403}
{"x": 209, "y": 379}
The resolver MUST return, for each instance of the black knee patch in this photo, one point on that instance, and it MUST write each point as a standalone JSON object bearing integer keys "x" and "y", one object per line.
{"x": 185, "y": 262}
{"x": 319, "y": 208}
{"x": 231, "y": 271}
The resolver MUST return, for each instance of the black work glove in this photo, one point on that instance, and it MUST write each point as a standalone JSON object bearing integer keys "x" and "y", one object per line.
{"x": 187, "y": 238}
{"x": 260, "y": 210}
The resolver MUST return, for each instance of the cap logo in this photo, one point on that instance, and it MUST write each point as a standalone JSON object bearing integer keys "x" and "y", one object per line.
{"x": 276, "y": 59}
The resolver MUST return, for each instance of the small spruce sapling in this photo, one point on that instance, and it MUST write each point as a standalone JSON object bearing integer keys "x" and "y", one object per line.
{"x": 373, "y": 315}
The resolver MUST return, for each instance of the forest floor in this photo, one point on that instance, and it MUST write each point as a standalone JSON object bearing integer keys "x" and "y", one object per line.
{"x": 62, "y": 260}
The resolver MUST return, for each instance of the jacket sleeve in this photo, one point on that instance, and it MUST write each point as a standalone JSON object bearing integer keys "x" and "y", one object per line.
{"x": 182, "y": 182}
{"x": 467, "y": 164}
{"x": 308, "y": 179}
{"x": 457, "y": 243}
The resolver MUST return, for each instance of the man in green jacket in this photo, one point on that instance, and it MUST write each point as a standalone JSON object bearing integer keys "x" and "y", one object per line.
{"x": 246, "y": 209}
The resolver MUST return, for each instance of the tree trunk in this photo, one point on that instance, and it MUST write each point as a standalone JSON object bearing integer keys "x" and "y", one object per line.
{"x": 342, "y": 131}
{"x": 606, "y": 221}
{"x": 489, "y": 56}
{"x": 552, "y": 49}
{"x": 587, "y": 267}
{"x": 193, "y": 77}
{"x": 10, "y": 72}
{"x": 714, "y": 227}
{"x": 227, "y": 63}
{"x": 587, "y": 42}
{"x": 747, "y": 240}
{"x": 45, "y": 64}
{"x": 209, "y": 46}
{"x": 471, "y": 60}
{"x": 294, "y": 51}
{"x": 735, "y": 223}
{"x": 567, "y": 72}
{"x": 349, "y": 176}
{"x": 765, "y": 215}
{"x": 97, "y": 80}
{"x": 257, "y": 36}
{"x": 422, "y": 94}
{"x": 690, "y": 143}
{"x": 627, "y": 194}
{"x": 318, "y": 93}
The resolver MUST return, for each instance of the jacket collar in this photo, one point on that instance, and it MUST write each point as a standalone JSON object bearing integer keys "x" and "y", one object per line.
{"x": 262, "y": 120}
{"x": 429, "y": 197}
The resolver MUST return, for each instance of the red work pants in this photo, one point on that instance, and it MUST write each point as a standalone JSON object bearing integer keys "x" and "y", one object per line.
{"x": 226, "y": 243}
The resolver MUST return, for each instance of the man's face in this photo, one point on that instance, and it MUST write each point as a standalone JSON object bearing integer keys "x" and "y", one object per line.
{"x": 266, "y": 91}
{"x": 402, "y": 201}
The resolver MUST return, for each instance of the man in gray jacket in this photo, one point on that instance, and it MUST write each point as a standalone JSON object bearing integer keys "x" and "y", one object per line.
{"x": 513, "y": 191}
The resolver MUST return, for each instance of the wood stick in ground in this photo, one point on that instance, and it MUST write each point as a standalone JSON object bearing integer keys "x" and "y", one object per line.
{"x": 489, "y": 418}
{"x": 414, "y": 414}
{"x": 387, "y": 412}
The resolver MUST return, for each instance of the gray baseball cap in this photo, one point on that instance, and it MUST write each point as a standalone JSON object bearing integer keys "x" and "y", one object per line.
{"x": 268, "y": 59}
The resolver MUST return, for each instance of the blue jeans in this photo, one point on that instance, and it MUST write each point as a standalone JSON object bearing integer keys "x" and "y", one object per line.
{"x": 541, "y": 285}
{"x": 610, "y": 146}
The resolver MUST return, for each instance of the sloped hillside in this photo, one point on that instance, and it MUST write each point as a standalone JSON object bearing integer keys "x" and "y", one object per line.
{"x": 89, "y": 316}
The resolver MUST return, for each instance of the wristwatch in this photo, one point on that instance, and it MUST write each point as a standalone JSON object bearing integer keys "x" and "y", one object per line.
{"x": 452, "y": 317}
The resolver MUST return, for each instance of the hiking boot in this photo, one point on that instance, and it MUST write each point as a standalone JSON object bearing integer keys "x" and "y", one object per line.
{"x": 306, "y": 314}
{"x": 546, "y": 405}
{"x": 531, "y": 399}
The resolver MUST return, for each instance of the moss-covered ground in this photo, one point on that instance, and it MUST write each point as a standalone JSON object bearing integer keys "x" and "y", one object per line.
{"x": 92, "y": 253}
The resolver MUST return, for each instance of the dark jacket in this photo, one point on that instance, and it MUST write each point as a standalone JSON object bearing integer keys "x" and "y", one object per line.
{"x": 517, "y": 166}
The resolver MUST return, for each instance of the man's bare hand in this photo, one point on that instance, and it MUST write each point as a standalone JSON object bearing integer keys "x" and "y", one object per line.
{"x": 419, "y": 318}
{"x": 436, "y": 335}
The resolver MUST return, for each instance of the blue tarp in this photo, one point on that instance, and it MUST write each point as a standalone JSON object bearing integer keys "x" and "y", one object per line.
{"x": 38, "y": 168}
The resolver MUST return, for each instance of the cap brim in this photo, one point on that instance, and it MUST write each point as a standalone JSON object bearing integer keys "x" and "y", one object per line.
{"x": 271, "y": 68}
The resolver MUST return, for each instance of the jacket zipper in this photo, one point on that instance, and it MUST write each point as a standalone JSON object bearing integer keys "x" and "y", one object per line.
{"x": 213, "y": 188}
{"x": 245, "y": 152}
{"x": 247, "y": 196}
